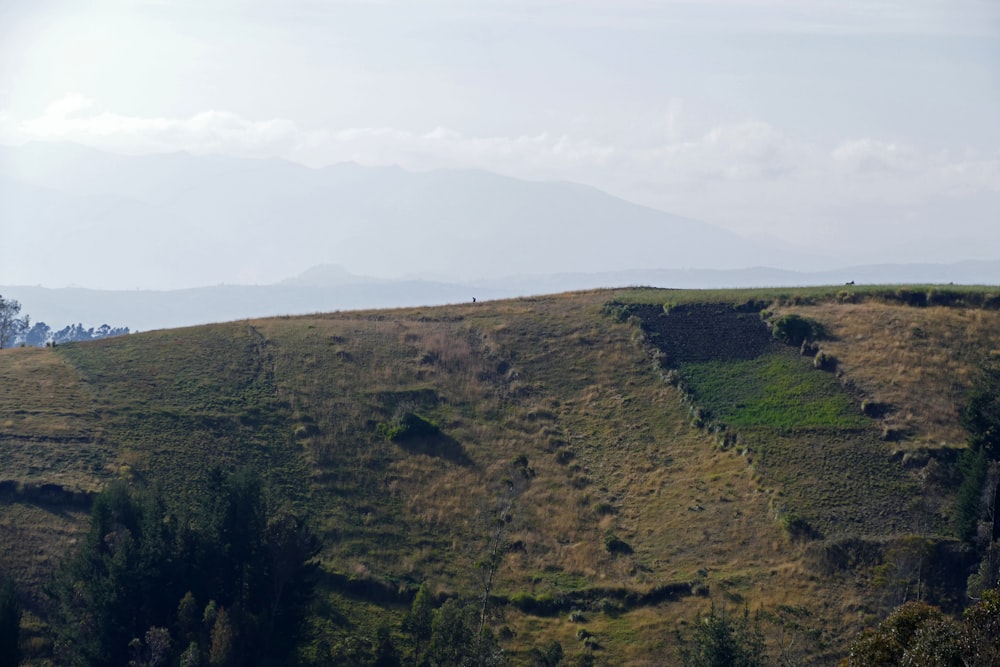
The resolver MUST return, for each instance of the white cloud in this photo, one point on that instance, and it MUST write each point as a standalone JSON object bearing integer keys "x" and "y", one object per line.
{"x": 902, "y": 172}
{"x": 72, "y": 118}
{"x": 742, "y": 151}
{"x": 873, "y": 155}
{"x": 748, "y": 175}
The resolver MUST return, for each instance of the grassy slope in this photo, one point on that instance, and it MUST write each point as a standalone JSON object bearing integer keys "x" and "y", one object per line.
{"x": 920, "y": 361}
{"x": 552, "y": 378}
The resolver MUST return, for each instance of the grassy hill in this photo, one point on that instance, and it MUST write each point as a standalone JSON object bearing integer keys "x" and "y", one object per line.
{"x": 674, "y": 453}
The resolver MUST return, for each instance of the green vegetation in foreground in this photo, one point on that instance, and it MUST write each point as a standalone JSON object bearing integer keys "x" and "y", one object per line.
{"x": 225, "y": 581}
{"x": 780, "y": 390}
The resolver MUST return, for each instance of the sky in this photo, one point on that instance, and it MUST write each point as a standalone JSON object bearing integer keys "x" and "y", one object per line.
{"x": 817, "y": 122}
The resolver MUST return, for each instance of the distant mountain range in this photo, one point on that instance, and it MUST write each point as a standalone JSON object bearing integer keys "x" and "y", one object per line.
{"x": 74, "y": 215}
{"x": 328, "y": 288}
{"x": 169, "y": 224}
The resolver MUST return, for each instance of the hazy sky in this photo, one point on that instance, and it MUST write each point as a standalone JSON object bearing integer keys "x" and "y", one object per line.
{"x": 814, "y": 120}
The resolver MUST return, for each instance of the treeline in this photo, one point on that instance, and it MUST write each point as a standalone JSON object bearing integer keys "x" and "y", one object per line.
{"x": 17, "y": 330}
{"x": 227, "y": 576}
{"x": 227, "y": 581}
{"x": 40, "y": 334}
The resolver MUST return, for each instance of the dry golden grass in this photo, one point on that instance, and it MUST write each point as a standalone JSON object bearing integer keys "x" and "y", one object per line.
{"x": 920, "y": 361}
{"x": 610, "y": 445}
{"x": 41, "y": 394}
{"x": 50, "y": 431}
{"x": 35, "y": 540}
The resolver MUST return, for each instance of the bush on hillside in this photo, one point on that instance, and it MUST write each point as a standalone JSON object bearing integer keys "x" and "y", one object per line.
{"x": 410, "y": 425}
{"x": 615, "y": 545}
{"x": 795, "y": 330}
{"x": 824, "y": 361}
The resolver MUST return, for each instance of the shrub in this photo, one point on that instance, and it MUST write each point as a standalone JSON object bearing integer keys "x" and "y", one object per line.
{"x": 873, "y": 409}
{"x": 824, "y": 361}
{"x": 549, "y": 655}
{"x": 794, "y": 329}
{"x": 603, "y": 508}
{"x": 619, "y": 312}
{"x": 410, "y": 425}
{"x": 846, "y": 296}
{"x": 615, "y": 545}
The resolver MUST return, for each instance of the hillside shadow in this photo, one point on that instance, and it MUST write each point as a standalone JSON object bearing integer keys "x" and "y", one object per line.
{"x": 439, "y": 446}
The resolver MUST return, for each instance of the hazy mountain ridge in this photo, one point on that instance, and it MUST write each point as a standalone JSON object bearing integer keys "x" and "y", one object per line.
{"x": 446, "y": 236}
{"x": 228, "y": 220}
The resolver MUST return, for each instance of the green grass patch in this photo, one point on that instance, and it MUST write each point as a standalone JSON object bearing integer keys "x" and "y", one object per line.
{"x": 779, "y": 390}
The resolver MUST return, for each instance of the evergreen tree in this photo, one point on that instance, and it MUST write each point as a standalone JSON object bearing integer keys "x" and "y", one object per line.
{"x": 722, "y": 641}
{"x": 452, "y": 636}
{"x": 141, "y": 571}
{"x": 982, "y": 413}
{"x": 419, "y": 619}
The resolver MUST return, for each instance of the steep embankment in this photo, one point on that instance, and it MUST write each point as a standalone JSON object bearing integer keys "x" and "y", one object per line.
{"x": 640, "y": 493}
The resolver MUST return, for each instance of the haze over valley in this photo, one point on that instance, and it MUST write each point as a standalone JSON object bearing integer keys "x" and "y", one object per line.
{"x": 207, "y": 238}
